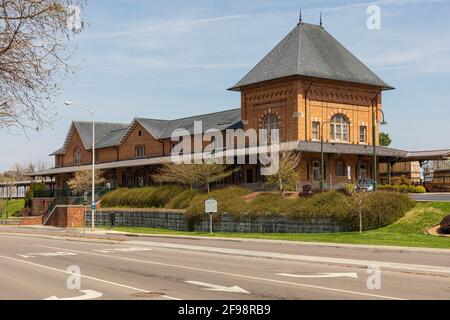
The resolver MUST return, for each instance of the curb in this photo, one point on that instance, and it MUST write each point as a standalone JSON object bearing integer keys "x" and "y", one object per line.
{"x": 290, "y": 242}
{"x": 78, "y": 238}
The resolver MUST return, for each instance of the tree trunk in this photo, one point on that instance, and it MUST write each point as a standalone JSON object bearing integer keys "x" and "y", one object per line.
{"x": 360, "y": 222}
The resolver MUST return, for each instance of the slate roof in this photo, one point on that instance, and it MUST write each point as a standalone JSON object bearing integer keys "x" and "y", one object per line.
{"x": 346, "y": 148}
{"x": 113, "y": 134}
{"x": 102, "y": 131}
{"x": 229, "y": 119}
{"x": 309, "y": 50}
{"x": 430, "y": 154}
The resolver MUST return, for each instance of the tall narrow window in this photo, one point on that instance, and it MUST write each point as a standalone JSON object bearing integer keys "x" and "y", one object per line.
{"x": 339, "y": 128}
{"x": 140, "y": 151}
{"x": 363, "y": 134}
{"x": 77, "y": 157}
{"x": 269, "y": 123}
{"x": 316, "y": 170}
{"x": 340, "y": 169}
{"x": 315, "y": 130}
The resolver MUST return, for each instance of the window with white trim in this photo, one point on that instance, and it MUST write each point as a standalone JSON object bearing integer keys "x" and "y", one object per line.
{"x": 339, "y": 130}
{"x": 315, "y": 130}
{"x": 362, "y": 134}
{"x": 140, "y": 151}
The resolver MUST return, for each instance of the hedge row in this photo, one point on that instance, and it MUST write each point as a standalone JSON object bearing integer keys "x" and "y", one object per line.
{"x": 162, "y": 197}
{"x": 402, "y": 188}
{"x": 380, "y": 208}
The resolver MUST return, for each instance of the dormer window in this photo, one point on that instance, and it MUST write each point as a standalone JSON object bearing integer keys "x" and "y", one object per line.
{"x": 140, "y": 151}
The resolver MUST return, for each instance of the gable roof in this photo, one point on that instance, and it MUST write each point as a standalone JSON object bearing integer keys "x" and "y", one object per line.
{"x": 114, "y": 134}
{"x": 309, "y": 50}
{"x": 102, "y": 129}
{"x": 219, "y": 120}
{"x": 104, "y": 133}
{"x": 163, "y": 129}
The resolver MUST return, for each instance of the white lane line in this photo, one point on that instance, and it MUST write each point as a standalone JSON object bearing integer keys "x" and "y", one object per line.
{"x": 113, "y": 250}
{"x": 215, "y": 287}
{"x": 87, "y": 295}
{"x": 82, "y": 275}
{"x": 46, "y": 254}
{"x": 321, "y": 275}
{"x": 295, "y": 257}
{"x": 233, "y": 274}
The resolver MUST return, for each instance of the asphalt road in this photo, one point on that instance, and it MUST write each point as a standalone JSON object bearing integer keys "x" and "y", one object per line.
{"x": 34, "y": 267}
{"x": 432, "y": 197}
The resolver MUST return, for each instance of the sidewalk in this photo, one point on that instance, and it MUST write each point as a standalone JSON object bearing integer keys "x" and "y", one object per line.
{"x": 299, "y": 243}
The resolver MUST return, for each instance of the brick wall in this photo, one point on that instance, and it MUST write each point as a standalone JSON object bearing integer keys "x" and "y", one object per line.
{"x": 324, "y": 99}
{"x": 39, "y": 206}
{"x": 31, "y": 221}
{"x": 74, "y": 144}
{"x": 67, "y": 217}
{"x": 153, "y": 148}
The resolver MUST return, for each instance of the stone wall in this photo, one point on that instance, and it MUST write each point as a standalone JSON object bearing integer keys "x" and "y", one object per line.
{"x": 227, "y": 223}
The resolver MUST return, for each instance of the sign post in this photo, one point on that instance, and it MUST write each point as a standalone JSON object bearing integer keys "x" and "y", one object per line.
{"x": 211, "y": 208}
{"x": 85, "y": 203}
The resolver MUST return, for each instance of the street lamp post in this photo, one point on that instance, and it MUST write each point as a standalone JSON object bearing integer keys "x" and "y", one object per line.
{"x": 322, "y": 163}
{"x": 68, "y": 103}
{"x": 374, "y": 142}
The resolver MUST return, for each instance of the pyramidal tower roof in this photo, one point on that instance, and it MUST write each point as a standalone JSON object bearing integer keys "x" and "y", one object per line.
{"x": 309, "y": 50}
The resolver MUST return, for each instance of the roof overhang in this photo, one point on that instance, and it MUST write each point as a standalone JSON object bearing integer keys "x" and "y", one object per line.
{"x": 300, "y": 146}
{"x": 428, "y": 155}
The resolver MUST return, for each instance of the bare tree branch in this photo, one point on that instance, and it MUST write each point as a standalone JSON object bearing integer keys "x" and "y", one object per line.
{"x": 34, "y": 59}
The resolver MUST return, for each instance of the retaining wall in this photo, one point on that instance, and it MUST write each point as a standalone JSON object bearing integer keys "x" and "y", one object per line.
{"x": 227, "y": 223}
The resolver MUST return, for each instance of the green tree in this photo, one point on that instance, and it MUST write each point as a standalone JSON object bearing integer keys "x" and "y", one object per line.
{"x": 385, "y": 139}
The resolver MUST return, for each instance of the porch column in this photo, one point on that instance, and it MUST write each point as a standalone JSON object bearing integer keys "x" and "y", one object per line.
{"x": 389, "y": 171}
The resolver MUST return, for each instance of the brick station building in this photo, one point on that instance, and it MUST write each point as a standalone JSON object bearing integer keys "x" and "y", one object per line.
{"x": 307, "y": 81}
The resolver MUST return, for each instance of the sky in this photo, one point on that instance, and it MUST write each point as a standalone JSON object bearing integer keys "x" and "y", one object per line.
{"x": 175, "y": 58}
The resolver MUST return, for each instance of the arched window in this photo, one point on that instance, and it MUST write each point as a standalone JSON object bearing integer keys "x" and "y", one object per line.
{"x": 77, "y": 157}
{"x": 339, "y": 128}
{"x": 269, "y": 123}
{"x": 139, "y": 151}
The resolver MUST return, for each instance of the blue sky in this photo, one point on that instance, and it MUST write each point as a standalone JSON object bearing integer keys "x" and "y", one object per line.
{"x": 175, "y": 58}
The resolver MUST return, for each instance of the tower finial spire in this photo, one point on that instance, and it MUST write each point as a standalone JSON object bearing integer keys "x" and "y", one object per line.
{"x": 300, "y": 17}
{"x": 321, "y": 22}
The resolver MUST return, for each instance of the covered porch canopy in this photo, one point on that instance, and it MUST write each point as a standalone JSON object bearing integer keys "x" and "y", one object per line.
{"x": 384, "y": 154}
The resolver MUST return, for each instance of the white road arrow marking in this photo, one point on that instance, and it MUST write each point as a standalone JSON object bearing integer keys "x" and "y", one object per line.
{"x": 321, "y": 275}
{"x": 214, "y": 287}
{"x": 88, "y": 294}
{"x": 47, "y": 254}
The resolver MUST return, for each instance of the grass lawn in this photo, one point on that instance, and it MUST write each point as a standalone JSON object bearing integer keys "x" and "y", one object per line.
{"x": 14, "y": 207}
{"x": 409, "y": 231}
